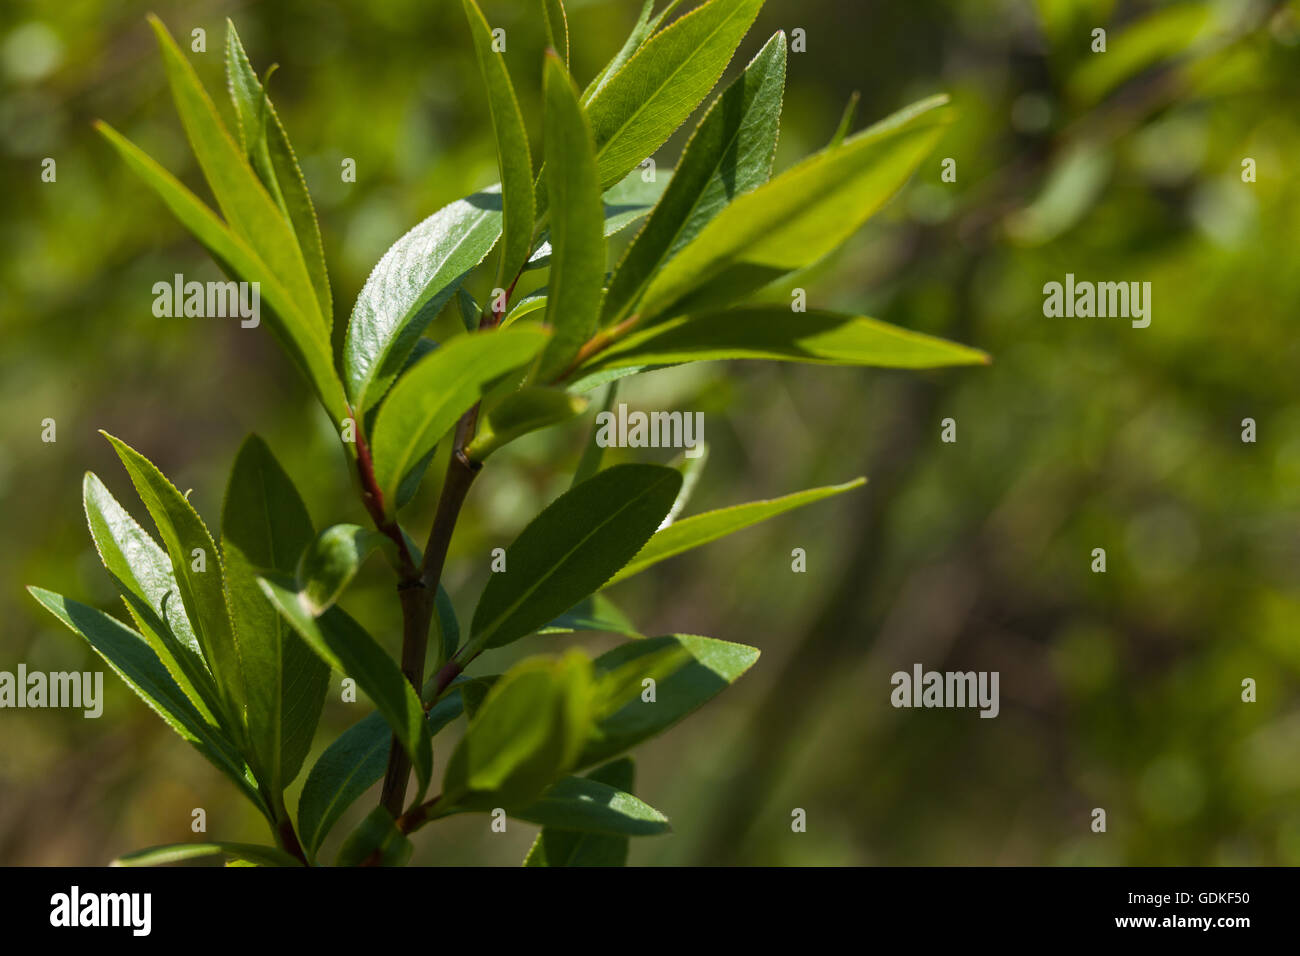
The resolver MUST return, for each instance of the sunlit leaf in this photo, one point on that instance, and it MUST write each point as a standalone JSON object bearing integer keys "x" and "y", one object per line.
{"x": 730, "y": 152}
{"x": 700, "y": 529}
{"x": 777, "y": 334}
{"x": 800, "y": 215}
{"x": 265, "y": 526}
{"x": 577, "y": 216}
{"x": 408, "y": 287}
{"x": 513, "y": 158}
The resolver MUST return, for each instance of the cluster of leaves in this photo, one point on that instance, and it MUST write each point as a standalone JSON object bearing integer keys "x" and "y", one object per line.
{"x": 240, "y": 664}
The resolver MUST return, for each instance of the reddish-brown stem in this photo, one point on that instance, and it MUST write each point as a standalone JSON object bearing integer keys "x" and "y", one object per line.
{"x": 417, "y": 817}
{"x": 372, "y": 496}
{"x": 449, "y": 672}
{"x": 419, "y": 588}
{"x": 598, "y": 343}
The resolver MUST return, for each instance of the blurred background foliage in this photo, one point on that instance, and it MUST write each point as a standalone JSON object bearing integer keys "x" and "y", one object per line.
{"x": 1119, "y": 690}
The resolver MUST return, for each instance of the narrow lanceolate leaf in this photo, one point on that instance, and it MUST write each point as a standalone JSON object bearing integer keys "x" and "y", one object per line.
{"x": 555, "y": 847}
{"x": 521, "y": 412}
{"x": 700, "y": 529}
{"x": 470, "y": 313}
{"x": 577, "y": 216}
{"x": 513, "y": 157}
{"x": 776, "y": 334}
{"x": 413, "y": 280}
{"x": 331, "y": 561}
{"x": 265, "y": 526}
{"x": 350, "y": 766}
{"x": 532, "y": 302}
{"x": 144, "y": 574}
{"x": 376, "y": 839}
{"x": 572, "y": 548}
{"x": 846, "y": 120}
{"x": 130, "y": 657}
{"x": 344, "y": 645}
{"x": 199, "y": 576}
{"x": 589, "y": 806}
{"x": 731, "y": 152}
{"x": 642, "y": 30}
{"x": 801, "y": 215}
{"x": 303, "y": 338}
{"x": 244, "y": 201}
{"x": 688, "y": 671}
{"x": 267, "y": 146}
{"x": 428, "y": 399}
{"x": 660, "y": 85}
{"x": 557, "y": 27}
{"x": 248, "y": 853}
{"x": 526, "y": 735}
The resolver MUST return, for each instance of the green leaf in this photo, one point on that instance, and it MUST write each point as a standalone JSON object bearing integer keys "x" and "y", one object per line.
{"x": 474, "y": 692}
{"x": 268, "y": 149}
{"x": 190, "y": 547}
{"x": 350, "y": 766}
{"x": 131, "y": 658}
{"x": 470, "y": 313}
{"x": 330, "y": 562}
{"x": 588, "y": 806}
{"x": 513, "y": 157}
{"x": 628, "y": 200}
{"x": 244, "y": 201}
{"x": 594, "y": 613}
{"x": 846, "y": 120}
{"x": 777, "y": 334}
{"x": 642, "y": 30}
{"x": 429, "y": 399}
{"x": 730, "y": 152}
{"x": 447, "y": 625}
{"x": 573, "y": 848}
{"x": 521, "y": 412}
{"x": 633, "y": 197}
{"x": 265, "y": 526}
{"x": 701, "y": 529}
{"x": 344, "y": 645}
{"x": 143, "y": 574}
{"x": 688, "y": 671}
{"x": 581, "y": 383}
{"x": 376, "y": 836}
{"x": 408, "y": 287}
{"x": 557, "y": 27}
{"x": 801, "y": 215}
{"x": 577, "y": 216}
{"x": 572, "y": 548}
{"x": 526, "y": 306}
{"x": 1179, "y": 30}
{"x": 528, "y": 732}
{"x": 303, "y": 338}
{"x": 659, "y": 86}
{"x": 181, "y": 852}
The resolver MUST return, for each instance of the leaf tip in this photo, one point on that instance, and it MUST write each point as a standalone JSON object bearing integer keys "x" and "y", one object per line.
{"x": 159, "y": 28}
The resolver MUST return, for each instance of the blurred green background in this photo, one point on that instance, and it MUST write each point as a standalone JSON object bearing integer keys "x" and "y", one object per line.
{"x": 1119, "y": 690}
